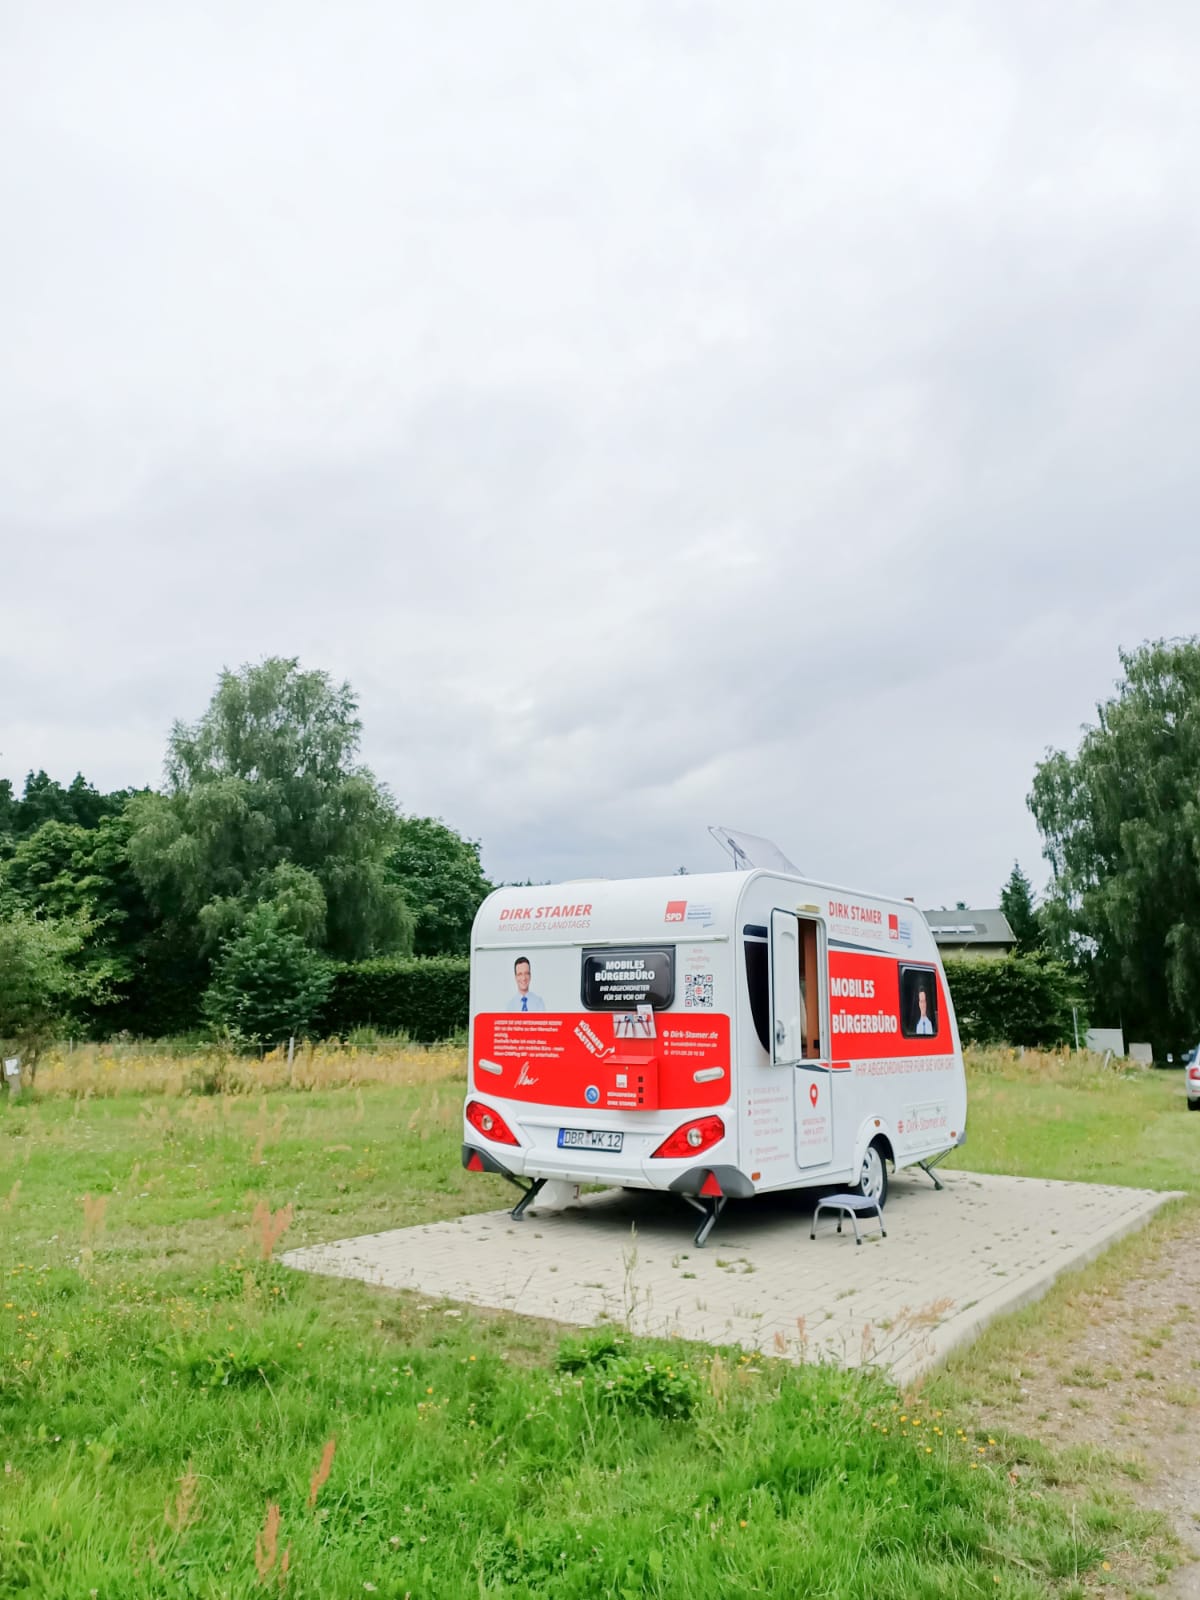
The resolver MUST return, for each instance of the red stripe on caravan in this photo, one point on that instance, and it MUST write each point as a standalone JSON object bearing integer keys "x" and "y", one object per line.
{"x": 865, "y": 1001}
{"x": 840, "y": 1066}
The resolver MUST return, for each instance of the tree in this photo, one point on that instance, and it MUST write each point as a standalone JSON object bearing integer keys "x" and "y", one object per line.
{"x": 267, "y": 982}
{"x": 1017, "y": 903}
{"x": 1120, "y": 823}
{"x": 266, "y": 804}
{"x": 68, "y": 872}
{"x": 45, "y": 800}
{"x": 440, "y": 875}
{"x": 39, "y": 983}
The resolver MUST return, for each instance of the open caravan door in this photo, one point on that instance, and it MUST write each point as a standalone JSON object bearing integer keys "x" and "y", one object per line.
{"x": 791, "y": 978}
{"x": 787, "y": 1002}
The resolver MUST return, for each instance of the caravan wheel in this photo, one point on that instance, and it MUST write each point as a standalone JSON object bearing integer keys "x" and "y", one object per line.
{"x": 873, "y": 1177}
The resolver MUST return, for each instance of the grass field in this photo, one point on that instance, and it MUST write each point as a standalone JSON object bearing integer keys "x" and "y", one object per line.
{"x": 182, "y": 1416}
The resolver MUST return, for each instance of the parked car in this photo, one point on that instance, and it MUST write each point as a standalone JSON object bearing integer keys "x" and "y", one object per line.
{"x": 1192, "y": 1078}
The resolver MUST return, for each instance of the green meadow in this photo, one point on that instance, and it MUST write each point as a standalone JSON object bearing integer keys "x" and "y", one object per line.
{"x": 180, "y": 1415}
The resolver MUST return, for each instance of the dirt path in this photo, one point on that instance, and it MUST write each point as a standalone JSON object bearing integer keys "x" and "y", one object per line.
{"x": 1125, "y": 1378}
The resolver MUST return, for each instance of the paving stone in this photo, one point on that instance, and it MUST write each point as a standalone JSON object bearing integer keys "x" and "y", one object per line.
{"x": 951, "y": 1262}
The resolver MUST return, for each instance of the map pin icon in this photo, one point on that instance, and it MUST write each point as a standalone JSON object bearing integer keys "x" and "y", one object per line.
{"x": 812, "y": 1094}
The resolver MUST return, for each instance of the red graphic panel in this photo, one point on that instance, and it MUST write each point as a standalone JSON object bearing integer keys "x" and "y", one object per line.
{"x": 865, "y": 1007}
{"x": 574, "y": 1059}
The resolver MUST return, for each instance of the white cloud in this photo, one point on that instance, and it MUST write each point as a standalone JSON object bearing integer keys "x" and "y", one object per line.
{"x": 662, "y": 414}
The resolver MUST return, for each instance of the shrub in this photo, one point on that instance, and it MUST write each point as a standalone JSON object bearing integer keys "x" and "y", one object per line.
{"x": 424, "y": 998}
{"x": 267, "y": 983}
{"x": 1023, "y": 1000}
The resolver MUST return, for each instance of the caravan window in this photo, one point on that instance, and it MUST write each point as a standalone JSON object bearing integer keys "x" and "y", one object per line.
{"x": 622, "y": 980}
{"x": 918, "y": 1002}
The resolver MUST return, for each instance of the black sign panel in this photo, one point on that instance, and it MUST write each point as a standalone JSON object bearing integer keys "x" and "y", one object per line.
{"x": 622, "y": 980}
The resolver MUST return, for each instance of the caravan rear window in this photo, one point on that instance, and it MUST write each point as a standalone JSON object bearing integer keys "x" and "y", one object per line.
{"x": 622, "y": 980}
{"x": 918, "y": 1002}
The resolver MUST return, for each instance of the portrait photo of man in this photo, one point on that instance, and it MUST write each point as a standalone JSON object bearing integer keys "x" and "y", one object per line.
{"x": 524, "y": 999}
{"x": 924, "y": 1025}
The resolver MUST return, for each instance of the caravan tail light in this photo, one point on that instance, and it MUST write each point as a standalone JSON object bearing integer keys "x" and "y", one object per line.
{"x": 693, "y": 1137}
{"x": 489, "y": 1123}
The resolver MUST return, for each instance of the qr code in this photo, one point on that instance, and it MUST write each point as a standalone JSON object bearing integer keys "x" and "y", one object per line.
{"x": 698, "y": 991}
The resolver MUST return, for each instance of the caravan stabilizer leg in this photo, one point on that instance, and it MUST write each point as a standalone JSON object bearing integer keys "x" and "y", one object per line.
{"x": 532, "y": 1191}
{"x": 928, "y": 1166}
{"x": 476, "y": 1160}
{"x": 710, "y": 1212}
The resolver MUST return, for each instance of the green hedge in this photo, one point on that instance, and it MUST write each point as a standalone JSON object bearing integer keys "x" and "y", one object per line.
{"x": 424, "y": 997}
{"x": 1023, "y": 1000}
{"x": 1017, "y": 1000}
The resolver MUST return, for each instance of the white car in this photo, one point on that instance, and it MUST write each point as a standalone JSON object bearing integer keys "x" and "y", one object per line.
{"x": 1192, "y": 1078}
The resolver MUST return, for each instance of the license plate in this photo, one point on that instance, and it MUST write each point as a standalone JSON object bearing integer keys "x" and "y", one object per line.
{"x": 589, "y": 1139}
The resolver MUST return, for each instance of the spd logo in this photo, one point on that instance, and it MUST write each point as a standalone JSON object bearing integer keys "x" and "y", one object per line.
{"x": 893, "y": 926}
{"x": 676, "y": 911}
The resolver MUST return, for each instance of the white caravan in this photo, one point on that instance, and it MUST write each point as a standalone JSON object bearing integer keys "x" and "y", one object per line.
{"x": 716, "y": 1036}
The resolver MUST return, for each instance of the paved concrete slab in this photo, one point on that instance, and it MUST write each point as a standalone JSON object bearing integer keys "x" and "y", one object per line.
{"x": 951, "y": 1262}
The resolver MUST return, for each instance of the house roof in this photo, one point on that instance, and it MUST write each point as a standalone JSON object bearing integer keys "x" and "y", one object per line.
{"x": 970, "y": 926}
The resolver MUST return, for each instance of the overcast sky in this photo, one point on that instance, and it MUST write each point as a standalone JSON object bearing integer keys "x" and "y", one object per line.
{"x": 770, "y": 414}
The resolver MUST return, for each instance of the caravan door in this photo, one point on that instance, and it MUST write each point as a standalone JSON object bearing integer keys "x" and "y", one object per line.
{"x": 787, "y": 1001}
{"x": 797, "y": 1023}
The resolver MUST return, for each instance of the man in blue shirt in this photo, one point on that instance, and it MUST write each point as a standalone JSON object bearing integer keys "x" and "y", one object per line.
{"x": 524, "y": 999}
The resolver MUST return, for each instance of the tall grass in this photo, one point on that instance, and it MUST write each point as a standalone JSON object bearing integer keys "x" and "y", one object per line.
{"x": 126, "y": 1067}
{"x": 1076, "y": 1067}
